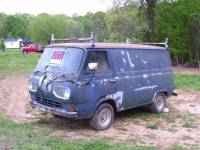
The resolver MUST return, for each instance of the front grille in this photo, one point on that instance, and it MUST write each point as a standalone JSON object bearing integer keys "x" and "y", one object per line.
{"x": 48, "y": 103}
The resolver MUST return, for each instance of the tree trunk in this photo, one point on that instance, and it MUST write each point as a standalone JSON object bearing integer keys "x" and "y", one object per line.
{"x": 151, "y": 4}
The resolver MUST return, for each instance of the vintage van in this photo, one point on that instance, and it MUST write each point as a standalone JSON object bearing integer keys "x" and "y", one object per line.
{"x": 94, "y": 81}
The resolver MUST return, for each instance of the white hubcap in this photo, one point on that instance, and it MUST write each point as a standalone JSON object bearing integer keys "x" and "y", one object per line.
{"x": 160, "y": 102}
{"x": 105, "y": 117}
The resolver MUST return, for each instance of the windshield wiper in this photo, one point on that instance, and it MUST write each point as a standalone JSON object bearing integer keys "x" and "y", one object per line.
{"x": 62, "y": 75}
{"x": 37, "y": 71}
{"x": 59, "y": 76}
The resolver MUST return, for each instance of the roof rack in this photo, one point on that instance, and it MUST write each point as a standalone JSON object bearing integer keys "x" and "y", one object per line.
{"x": 165, "y": 43}
{"x": 73, "y": 40}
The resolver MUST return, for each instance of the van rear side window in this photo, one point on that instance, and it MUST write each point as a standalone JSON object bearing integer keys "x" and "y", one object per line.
{"x": 134, "y": 60}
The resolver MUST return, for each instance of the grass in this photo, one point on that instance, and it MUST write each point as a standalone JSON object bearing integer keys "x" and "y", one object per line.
{"x": 189, "y": 122}
{"x": 187, "y": 82}
{"x": 143, "y": 114}
{"x": 14, "y": 62}
{"x": 34, "y": 136}
{"x": 153, "y": 126}
{"x": 123, "y": 129}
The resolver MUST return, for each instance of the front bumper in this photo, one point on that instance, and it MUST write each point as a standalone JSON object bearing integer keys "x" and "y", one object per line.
{"x": 55, "y": 111}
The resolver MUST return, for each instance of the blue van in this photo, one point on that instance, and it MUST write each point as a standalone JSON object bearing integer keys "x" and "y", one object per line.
{"x": 94, "y": 81}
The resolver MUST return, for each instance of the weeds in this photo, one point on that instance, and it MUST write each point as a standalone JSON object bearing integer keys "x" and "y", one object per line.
{"x": 153, "y": 126}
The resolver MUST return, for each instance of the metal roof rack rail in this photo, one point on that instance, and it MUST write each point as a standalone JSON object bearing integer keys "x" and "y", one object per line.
{"x": 165, "y": 43}
{"x": 73, "y": 40}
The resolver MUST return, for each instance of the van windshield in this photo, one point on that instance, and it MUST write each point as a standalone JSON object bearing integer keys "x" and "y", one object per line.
{"x": 60, "y": 60}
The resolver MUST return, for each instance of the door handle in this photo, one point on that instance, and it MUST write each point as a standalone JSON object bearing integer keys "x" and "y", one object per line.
{"x": 112, "y": 80}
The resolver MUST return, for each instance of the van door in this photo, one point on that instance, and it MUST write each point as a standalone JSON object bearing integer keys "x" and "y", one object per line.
{"x": 130, "y": 79}
{"x": 101, "y": 80}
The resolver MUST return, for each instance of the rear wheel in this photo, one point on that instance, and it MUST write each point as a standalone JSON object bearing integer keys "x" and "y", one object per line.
{"x": 158, "y": 104}
{"x": 103, "y": 117}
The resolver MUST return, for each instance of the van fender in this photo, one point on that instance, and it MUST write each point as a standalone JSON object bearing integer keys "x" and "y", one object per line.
{"x": 156, "y": 93}
{"x": 115, "y": 98}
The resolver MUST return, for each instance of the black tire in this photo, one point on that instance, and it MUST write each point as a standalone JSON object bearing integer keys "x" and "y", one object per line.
{"x": 158, "y": 104}
{"x": 103, "y": 117}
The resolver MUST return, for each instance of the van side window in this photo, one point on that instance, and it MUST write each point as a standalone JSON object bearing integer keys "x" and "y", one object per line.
{"x": 138, "y": 59}
{"x": 120, "y": 60}
{"x": 99, "y": 57}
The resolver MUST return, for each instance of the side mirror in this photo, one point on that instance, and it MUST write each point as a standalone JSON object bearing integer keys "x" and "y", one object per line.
{"x": 92, "y": 66}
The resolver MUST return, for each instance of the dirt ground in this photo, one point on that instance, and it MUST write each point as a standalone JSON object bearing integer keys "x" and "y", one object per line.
{"x": 181, "y": 125}
{"x": 185, "y": 70}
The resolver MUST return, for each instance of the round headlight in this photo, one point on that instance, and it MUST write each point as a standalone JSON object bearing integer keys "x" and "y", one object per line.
{"x": 61, "y": 91}
{"x": 32, "y": 86}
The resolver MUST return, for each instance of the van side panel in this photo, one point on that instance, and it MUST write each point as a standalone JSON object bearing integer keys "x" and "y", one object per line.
{"x": 140, "y": 74}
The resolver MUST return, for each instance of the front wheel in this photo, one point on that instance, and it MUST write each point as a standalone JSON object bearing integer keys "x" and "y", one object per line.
{"x": 158, "y": 104}
{"x": 103, "y": 117}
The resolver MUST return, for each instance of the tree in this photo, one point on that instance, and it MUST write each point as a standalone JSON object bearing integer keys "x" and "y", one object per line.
{"x": 122, "y": 22}
{"x": 98, "y": 26}
{"x": 15, "y": 26}
{"x": 85, "y": 22}
{"x": 151, "y": 4}
{"x": 2, "y": 22}
{"x": 194, "y": 37}
{"x": 42, "y": 26}
{"x": 175, "y": 20}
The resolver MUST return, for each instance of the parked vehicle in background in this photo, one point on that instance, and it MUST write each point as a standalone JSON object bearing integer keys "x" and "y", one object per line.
{"x": 95, "y": 80}
{"x": 33, "y": 48}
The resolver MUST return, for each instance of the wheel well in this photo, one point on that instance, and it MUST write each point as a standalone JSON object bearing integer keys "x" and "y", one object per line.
{"x": 164, "y": 92}
{"x": 111, "y": 102}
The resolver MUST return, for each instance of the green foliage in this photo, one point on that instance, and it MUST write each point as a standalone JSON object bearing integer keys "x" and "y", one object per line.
{"x": 2, "y": 22}
{"x": 85, "y": 22}
{"x": 122, "y": 23}
{"x": 15, "y": 26}
{"x": 42, "y": 26}
{"x": 175, "y": 20}
{"x": 2, "y": 46}
{"x": 99, "y": 26}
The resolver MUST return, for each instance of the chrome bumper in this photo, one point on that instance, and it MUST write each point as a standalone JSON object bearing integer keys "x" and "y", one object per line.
{"x": 55, "y": 111}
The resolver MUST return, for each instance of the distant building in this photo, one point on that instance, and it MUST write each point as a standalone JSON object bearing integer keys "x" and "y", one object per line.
{"x": 12, "y": 43}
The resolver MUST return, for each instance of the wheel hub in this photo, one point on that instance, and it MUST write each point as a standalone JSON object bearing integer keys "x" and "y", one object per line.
{"x": 160, "y": 102}
{"x": 105, "y": 117}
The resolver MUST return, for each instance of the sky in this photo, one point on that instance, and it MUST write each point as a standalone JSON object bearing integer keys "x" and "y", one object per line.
{"x": 67, "y": 7}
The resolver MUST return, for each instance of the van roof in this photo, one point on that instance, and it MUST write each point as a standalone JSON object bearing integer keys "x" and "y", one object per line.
{"x": 107, "y": 45}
